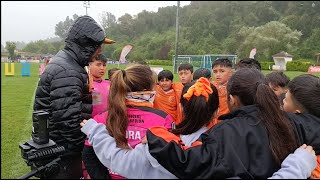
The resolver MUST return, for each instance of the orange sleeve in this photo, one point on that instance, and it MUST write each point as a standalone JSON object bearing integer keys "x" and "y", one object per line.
{"x": 223, "y": 105}
{"x": 316, "y": 172}
{"x": 178, "y": 91}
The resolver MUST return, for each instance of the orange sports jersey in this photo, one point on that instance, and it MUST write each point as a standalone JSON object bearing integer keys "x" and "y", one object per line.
{"x": 223, "y": 106}
{"x": 166, "y": 101}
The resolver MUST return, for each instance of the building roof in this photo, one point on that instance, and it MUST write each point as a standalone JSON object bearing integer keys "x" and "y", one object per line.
{"x": 282, "y": 54}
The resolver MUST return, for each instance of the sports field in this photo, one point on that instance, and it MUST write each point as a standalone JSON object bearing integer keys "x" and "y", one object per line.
{"x": 17, "y": 95}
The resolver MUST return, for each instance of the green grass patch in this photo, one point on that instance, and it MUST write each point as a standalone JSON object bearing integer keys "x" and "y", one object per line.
{"x": 17, "y": 96}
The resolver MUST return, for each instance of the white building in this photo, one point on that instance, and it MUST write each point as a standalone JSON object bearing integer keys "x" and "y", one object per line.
{"x": 280, "y": 60}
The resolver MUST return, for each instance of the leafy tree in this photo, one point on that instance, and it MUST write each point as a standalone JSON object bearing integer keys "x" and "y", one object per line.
{"x": 20, "y": 45}
{"x": 208, "y": 27}
{"x": 11, "y": 46}
{"x": 2, "y": 48}
{"x": 58, "y": 45}
{"x": 31, "y": 47}
{"x": 125, "y": 24}
{"x": 269, "y": 39}
{"x": 43, "y": 47}
{"x": 311, "y": 46}
{"x": 107, "y": 20}
{"x": 62, "y": 28}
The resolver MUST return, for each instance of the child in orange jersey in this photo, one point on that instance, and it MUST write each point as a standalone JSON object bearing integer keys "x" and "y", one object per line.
{"x": 222, "y": 71}
{"x": 185, "y": 72}
{"x": 166, "y": 99}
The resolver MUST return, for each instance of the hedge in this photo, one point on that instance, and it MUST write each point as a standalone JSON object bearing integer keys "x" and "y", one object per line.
{"x": 159, "y": 62}
{"x": 291, "y": 65}
{"x": 266, "y": 65}
{"x": 298, "y": 66}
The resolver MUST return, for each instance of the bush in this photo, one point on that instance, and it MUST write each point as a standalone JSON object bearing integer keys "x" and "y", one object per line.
{"x": 159, "y": 62}
{"x": 266, "y": 65}
{"x": 298, "y": 66}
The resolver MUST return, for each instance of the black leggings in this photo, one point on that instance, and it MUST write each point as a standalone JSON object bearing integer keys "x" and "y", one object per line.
{"x": 95, "y": 168}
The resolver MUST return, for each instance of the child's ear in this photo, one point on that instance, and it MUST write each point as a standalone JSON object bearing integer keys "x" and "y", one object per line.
{"x": 233, "y": 102}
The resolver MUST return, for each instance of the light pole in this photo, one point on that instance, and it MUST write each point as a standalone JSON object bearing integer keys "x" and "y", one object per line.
{"x": 86, "y": 4}
{"x": 177, "y": 31}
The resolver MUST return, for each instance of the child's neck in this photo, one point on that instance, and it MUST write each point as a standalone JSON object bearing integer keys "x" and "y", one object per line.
{"x": 97, "y": 79}
{"x": 222, "y": 84}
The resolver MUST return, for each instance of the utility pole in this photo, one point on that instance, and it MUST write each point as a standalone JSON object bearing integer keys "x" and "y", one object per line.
{"x": 177, "y": 31}
{"x": 86, "y": 4}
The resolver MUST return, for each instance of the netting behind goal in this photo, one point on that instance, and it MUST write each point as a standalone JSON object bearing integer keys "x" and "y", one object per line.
{"x": 200, "y": 61}
{"x": 195, "y": 60}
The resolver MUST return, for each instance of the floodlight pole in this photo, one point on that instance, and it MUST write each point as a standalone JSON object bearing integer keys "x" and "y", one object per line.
{"x": 86, "y": 4}
{"x": 177, "y": 30}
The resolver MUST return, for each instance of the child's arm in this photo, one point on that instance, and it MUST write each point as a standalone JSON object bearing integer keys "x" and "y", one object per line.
{"x": 297, "y": 165}
{"x": 132, "y": 164}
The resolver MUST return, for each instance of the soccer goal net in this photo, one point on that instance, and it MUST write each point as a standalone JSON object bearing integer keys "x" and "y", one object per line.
{"x": 200, "y": 61}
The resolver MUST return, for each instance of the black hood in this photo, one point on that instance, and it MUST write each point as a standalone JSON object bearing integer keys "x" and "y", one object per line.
{"x": 83, "y": 39}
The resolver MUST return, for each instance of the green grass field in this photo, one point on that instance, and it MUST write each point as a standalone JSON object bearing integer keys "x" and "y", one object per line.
{"x": 17, "y": 95}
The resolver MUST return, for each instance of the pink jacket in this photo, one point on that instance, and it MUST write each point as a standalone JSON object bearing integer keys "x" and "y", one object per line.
{"x": 140, "y": 119}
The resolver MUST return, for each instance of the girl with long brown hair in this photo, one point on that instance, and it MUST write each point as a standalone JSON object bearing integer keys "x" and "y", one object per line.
{"x": 130, "y": 111}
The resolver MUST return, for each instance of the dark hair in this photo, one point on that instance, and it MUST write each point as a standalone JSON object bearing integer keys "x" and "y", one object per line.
{"x": 111, "y": 72}
{"x": 224, "y": 62}
{"x": 202, "y": 72}
{"x": 248, "y": 63}
{"x": 101, "y": 57}
{"x": 165, "y": 74}
{"x": 134, "y": 78}
{"x": 306, "y": 91}
{"x": 185, "y": 66}
{"x": 248, "y": 85}
{"x": 277, "y": 78}
{"x": 196, "y": 112}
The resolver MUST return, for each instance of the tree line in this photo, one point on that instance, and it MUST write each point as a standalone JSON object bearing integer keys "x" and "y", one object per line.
{"x": 208, "y": 27}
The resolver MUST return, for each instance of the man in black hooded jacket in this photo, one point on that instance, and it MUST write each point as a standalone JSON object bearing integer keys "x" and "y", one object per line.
{"x": 63, "y": 91}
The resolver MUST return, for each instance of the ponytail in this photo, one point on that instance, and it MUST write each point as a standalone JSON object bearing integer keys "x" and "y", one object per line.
{"x": 134, "y": 78}
{"x": 117, "y": 120}
{"x": 248, "y": 85}
{"x": 281, "y": 133}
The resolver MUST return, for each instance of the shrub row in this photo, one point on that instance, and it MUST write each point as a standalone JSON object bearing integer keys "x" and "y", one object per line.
{"x": 266, "y": 65}
{"x": 159, "y": 62}
{"x": 291, "y": 66}
{"x": 298, "y": 66}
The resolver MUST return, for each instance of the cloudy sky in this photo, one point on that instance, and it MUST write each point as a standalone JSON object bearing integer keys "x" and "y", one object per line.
{"x": 34, "y": 20}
